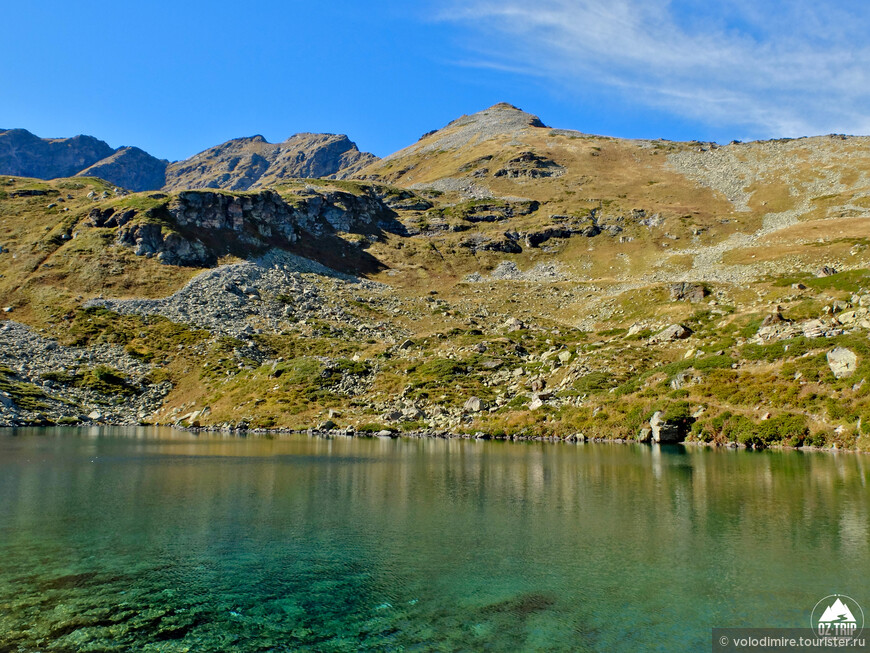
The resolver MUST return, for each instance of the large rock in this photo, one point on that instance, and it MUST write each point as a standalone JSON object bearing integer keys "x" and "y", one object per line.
{"x": 473, "y": 405}
{"x": 842, "y": 362}
{"x": 694, "y": 292}
{"x": 673, "y": 332}
{"x": 662, "y": 431}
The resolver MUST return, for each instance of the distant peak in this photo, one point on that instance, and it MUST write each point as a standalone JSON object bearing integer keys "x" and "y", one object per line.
{"x": 505, "y": 105}
{"x": 501, "y": 117}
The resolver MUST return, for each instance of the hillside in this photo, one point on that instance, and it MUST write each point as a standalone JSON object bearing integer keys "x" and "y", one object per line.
{"x": 499, "y": 278}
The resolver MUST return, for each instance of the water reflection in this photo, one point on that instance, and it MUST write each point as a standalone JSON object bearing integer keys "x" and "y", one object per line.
{"x": 510, "y": 544}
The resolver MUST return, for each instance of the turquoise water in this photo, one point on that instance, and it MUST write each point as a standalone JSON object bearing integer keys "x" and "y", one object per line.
{"x": 154, "y": 540}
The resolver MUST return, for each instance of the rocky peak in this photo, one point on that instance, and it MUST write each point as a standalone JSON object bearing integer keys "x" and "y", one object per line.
{"x": 253, "y": 162}
{"x": 26, "y": 155}
{"x": 498, "y": 120}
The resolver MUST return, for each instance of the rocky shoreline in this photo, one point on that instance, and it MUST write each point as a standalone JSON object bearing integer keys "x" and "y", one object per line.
{"x": 479, "y": 436}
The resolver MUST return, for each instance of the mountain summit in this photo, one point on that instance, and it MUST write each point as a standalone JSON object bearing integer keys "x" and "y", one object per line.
{"x": 253, "y": 162}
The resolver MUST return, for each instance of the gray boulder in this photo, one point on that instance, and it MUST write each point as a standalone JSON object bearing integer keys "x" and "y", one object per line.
{"x": 842, "y": 362}
{"x": 664, "y": 432}
{"x": 473, "y": 405}
{"x": 673, "y": 332}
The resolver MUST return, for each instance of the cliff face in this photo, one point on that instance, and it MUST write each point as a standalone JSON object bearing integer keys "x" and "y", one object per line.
{"x": 195, "y": 228}
{"x": 131, "y": 168}
{"x": 248, "y": 163}
{"x": 26, "y": 155}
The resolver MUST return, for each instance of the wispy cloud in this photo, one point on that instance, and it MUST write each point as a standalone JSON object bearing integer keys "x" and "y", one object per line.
{"x": 775, "y": 68}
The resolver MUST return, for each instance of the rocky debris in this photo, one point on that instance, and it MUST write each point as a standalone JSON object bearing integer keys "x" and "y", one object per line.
{"x": 530, "y": 166}
{"x": 662, "y": 431}
{"x": 673, "y": 332}
{"x": 508, "y": 271}
{"x": 250, "y": 163}
{"x": 776, "y": 329}
{"x": 279, "y": 291}
{"x": 684, "y": 290}
{"x": 49, "y": 368}
{"x": 842, "y": 362}
{"x": 826, "y": 271}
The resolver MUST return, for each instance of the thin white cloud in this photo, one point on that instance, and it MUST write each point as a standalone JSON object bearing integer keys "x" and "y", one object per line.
{"x": 780, "y": 68}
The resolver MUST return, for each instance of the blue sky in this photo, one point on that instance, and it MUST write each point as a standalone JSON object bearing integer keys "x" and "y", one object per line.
{"x": 177, "y": 77}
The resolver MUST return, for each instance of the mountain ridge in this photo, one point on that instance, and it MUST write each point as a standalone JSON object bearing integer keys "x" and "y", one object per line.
{"x": 237, "y": 164}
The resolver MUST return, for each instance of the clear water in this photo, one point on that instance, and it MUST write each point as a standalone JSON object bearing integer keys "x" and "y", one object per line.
{"x": 153, "y": 540}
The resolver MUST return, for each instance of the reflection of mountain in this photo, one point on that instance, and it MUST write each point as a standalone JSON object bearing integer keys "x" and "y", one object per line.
{"x": 838, "y": 613}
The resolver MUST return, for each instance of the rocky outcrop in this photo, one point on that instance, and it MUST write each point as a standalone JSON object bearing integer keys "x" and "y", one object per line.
{"x": 130, "y": 168}
{"x": 480, "y": 243}
{"x": 25, "y": 155}
{"x": 530, "y": 166}
{"x": 195, "y": 228}
{"x": 248, "y": 163}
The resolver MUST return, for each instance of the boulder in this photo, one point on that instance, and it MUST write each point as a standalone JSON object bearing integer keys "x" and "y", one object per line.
{"x": 694, "y": 292}
{"x": 842, "y": 362}
{"x": 673, "y": 332}
{"x": 473, "y": 405}
{"x": 664, "y": 432}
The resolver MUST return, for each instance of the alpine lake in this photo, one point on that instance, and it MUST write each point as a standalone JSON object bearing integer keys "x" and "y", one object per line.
{"x": 148, "y": 539}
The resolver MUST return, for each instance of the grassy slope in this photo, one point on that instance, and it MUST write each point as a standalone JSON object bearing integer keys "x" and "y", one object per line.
{"x": 619, "y": 379}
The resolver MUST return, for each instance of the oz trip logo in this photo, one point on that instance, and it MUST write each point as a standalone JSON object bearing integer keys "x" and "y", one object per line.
{"x": 838, "y": 615}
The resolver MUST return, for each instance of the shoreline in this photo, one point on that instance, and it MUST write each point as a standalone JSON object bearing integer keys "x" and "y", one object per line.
{"x": 441, "y": 435}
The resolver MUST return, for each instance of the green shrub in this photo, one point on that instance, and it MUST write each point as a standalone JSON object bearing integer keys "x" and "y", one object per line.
{"x": 440, "y": 368}
{"x": 817, "y": 439}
